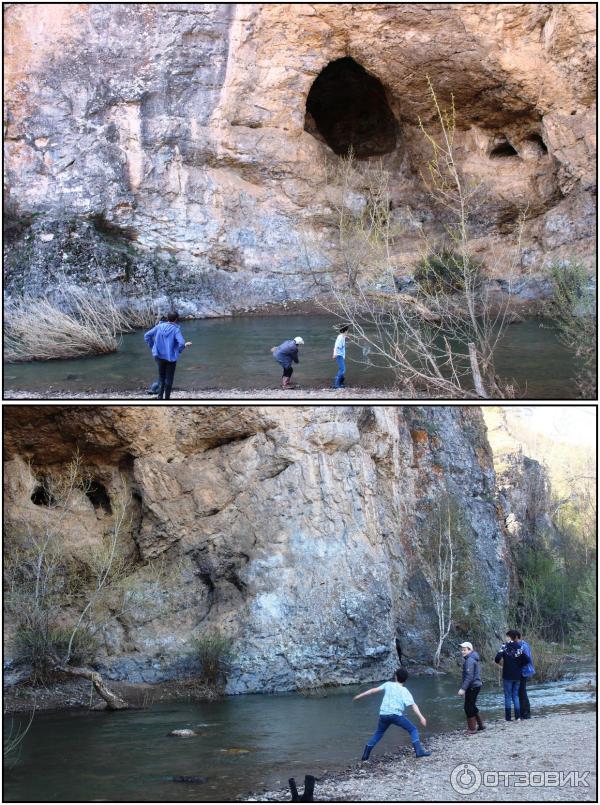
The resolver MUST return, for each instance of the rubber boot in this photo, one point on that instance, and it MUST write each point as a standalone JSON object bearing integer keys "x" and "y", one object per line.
{"x": 480, "y": 724}
{"x": 161, "y": 391}
{"x": 419, "y": 751}
{"x": 285, "y": 382}
{"x": 366, "y": 752}
{"x": 507, "y": 713}
{"x": 471, "y": 725}
{"x": 168, "y": 392}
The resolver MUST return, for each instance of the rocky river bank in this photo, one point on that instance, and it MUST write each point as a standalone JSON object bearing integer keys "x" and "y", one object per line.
{"x": 299, "y": 393}
{"x": 557, "y": 743}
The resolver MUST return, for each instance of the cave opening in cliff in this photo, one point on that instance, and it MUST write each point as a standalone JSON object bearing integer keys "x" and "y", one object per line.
{"x": 348, "y": 109}
{"x": 503, "y": 149}
{"x": 42, "y": 496}
{"x": 98, "y": 496}
{"x": 537, "y": 139}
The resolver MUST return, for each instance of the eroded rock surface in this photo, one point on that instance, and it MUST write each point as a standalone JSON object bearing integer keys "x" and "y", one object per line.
{"x": 175, "y": 147}
{"x": 297, "y": 531}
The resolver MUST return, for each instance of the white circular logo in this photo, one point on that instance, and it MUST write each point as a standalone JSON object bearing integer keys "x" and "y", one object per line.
{"x": 465, "y": 778}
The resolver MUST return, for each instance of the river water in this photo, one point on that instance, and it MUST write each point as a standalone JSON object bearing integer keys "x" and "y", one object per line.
{"x": 235, "y": 353}
{"x": 127, "y": 756}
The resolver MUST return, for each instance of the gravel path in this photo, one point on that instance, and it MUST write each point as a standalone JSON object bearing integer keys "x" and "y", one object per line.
{"x": 297, "y": 394}
{"x": 554, "y": 743}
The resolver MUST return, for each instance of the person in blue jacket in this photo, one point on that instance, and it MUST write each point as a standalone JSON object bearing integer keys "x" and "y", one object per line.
{"x": 167, "y": 344}
{"x": 513, "y": 658}
{"x": 286, "y": 354}
{"x": 527, "y": 671}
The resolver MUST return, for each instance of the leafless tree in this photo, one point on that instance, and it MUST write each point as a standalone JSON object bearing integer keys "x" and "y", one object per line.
{"x": 443, "y": 339}
{"x": 41, "y": 585}
{"x": 443, "y": 553}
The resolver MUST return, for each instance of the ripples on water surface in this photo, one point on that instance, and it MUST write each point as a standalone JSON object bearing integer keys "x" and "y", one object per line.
{"x": 127, "y": 756}
{"x": 235, "y": 353}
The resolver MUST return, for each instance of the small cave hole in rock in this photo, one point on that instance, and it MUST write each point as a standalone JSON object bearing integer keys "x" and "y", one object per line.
{"x": 348, "y": 108}
{"x": 503, "y": 149}
{"x": 42, "y": 496}
{"x": 99, "y": 498}
{"x": 537, "y": 139}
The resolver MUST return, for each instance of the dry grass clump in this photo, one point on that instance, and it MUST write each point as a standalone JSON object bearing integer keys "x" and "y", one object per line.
{"x": 142, "y": 314}
{"x": 86, "y": 321}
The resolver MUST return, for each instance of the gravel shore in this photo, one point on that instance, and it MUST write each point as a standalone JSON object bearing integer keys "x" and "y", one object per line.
{"x": 553, "y": 743}
{"x": 197, "y": 395}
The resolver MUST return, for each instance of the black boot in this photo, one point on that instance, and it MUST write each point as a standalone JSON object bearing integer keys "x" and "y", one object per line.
{"x": 507, "y": 713}
{"x": 168, "y": 392}
{"x": 161, "y": 391}
{"x": 366, "y": 752}
{"x": 419, "y": 751}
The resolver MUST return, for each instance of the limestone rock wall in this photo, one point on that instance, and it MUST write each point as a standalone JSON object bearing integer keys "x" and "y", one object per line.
{"x": 295, "y": 530}
{"x": 170, "y": 144}
{"x": 522, "y": 482}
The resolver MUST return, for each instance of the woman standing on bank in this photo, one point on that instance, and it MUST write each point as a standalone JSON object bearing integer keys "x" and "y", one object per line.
{"x": 470, "y": 687}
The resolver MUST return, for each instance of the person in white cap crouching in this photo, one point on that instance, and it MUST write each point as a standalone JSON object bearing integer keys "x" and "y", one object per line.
{"x": 286, "y": 354}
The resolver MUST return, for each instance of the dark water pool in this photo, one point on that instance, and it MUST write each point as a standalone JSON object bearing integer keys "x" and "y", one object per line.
{"x": 234, "y": 353}
{"x": 128, "y": 757}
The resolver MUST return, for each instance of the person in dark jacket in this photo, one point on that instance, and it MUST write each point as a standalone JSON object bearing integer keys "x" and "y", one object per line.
{"x": 513, "y": 658}
{"x": 167, "y": 344}
{"x": 527, "y": 671}
{"x": 470, "y": 687}
{"x": 286, "y": 354}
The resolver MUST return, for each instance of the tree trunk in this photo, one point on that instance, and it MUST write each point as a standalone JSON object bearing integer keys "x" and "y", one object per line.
{"x": 476, "y": 373}
{"x": 113, "y": 702}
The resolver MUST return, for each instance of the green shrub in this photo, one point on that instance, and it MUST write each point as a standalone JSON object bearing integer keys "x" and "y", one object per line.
{"x": 214, "y": 651}
{"x": 573, "y": 310}
{"x": 445, "y": 272}
{"x": 548, "y": 658}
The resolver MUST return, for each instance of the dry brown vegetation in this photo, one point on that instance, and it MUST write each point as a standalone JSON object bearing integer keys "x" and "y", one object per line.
{"x": 73, "y": 323}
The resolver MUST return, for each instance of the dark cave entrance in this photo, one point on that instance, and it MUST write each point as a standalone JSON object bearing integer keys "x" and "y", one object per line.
{"x": 349, "y": 109}
{"x": 99, "y": 497}
{"x": 503, "y": 149}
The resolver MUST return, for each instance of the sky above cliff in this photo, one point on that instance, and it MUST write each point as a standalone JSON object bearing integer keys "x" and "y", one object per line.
{"x": 573, "y": 424}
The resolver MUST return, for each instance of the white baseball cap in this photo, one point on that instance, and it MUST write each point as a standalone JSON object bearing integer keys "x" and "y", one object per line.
{"x": 467, "y": 645}
{"x": 299, "y": 340}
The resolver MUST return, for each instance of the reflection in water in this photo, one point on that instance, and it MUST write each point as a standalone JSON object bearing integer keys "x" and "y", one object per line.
{"x": 235, "y": 353}
{"x": 128, "y": 756}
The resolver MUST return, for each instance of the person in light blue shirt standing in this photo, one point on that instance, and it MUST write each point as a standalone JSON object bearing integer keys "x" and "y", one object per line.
{"x": 339, "y": 355}
{"x": 395, "y": 699}
{"x": 167, "y": 344}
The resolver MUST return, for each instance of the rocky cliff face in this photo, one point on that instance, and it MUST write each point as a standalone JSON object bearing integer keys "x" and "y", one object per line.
{"x": 185, "y": 148}
{"x": 522, "y": 482}
{"x": 297, "y": 531}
